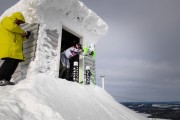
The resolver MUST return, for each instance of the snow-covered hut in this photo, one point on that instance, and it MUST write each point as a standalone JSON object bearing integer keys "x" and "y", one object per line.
{"x": 55, "y": 26}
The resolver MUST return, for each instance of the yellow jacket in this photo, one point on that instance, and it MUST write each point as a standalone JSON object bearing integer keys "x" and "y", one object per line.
{"x": 11, "y": 40}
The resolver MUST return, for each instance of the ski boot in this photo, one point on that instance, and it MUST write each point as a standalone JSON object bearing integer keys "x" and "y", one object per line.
{"x": 5, "y": 82}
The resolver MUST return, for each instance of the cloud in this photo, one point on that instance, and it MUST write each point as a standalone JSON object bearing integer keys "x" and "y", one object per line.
{"x": 138, "y": 69}
{"x": 138, "y": 78}
{"x": 140, "y": 53}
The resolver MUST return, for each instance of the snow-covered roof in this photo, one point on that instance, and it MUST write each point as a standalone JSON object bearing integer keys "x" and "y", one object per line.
{"x": 71, "y": 13}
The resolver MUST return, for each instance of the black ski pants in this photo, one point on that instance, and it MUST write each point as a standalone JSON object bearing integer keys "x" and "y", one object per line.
{"x": 8, "y": 68}
{"x": 63, "y": 72}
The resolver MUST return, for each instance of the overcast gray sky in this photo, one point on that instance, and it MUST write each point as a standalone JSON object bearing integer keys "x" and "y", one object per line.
{"x": 140, "y": 54}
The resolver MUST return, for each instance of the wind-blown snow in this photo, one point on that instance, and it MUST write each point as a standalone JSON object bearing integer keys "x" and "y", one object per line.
{"x": 45, "y": 98}
{"x": 72, "y": 14}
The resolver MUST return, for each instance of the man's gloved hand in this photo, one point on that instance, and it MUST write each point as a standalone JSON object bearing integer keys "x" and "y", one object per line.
{"x": 28, "y": 33}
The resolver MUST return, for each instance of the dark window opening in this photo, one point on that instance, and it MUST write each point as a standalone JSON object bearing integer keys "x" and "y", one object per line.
{"x": 68, "y": 40}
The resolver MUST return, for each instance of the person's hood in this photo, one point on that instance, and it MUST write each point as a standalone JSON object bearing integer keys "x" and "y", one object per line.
{"x": 18, "y": 15}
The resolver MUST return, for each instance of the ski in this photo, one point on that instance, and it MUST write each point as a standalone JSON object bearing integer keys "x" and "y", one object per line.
{"x": 76, "y": 72}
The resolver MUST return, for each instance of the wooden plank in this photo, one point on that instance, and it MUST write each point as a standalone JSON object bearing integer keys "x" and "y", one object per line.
{"x": 24, "y": 66}
{"x": 31, "y": 44}
{"x": 30, "y": 49}
{"x": 53, "y": 33}
{"x": 30, "y": 55}
{"x": 32, "y": 28}
{"x": 35, "y": 31}
{"x": 27, "y": 26}
{"x": 30, "y": 41}
{"x": 27, "y": 61}
{"x": 52, "y": 43}
{"x": 52, "y": 37}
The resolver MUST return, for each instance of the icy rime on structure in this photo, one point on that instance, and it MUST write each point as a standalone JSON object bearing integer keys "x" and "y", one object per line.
{"x": 37, "y": 97}
{"x": 52, "y": 16}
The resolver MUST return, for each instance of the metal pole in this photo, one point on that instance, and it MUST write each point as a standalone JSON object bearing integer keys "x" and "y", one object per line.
{"x": 102, "y": 77}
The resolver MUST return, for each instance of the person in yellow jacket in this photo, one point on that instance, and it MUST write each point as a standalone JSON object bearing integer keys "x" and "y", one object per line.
{"x": 11, "y": 46}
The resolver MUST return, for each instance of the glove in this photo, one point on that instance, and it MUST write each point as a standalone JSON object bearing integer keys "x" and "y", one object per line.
{"x": 92, "y": 53}
{"x": 28, "y": 33}
{"x": 85, "y": 50}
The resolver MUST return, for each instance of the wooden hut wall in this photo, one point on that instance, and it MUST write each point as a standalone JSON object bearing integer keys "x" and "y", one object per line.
{"x": 29, "y": 49}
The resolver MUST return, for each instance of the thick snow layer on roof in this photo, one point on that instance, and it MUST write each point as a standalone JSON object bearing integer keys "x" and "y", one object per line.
{"x": 73, "y": 14}
{"x": 45, "y": 98}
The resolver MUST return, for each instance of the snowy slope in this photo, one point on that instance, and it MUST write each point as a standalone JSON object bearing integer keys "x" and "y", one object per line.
{"x": 46, "y": 98}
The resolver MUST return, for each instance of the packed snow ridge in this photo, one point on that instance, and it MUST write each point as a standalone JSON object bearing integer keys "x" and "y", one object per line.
{"x": 45, "y": 98}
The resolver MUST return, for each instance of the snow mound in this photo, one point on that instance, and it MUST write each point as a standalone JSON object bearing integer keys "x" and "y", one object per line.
{"x": 45, "y": 98}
